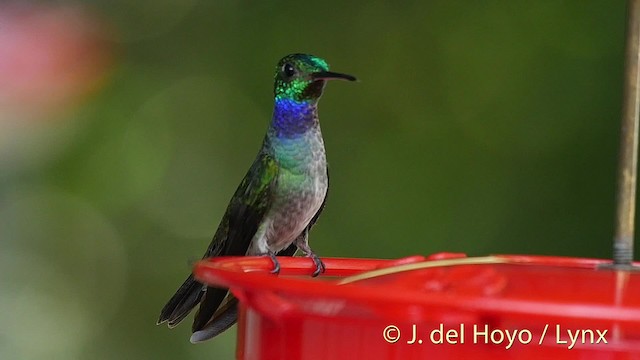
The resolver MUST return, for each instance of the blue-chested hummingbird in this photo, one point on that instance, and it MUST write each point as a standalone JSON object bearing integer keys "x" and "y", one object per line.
{"x": 277, "y": 202}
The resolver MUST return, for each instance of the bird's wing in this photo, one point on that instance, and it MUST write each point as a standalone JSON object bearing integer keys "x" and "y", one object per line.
{"x": 240, "y": 222}
{"x": 244, "y": 215}
{"x": 223, "y": 311}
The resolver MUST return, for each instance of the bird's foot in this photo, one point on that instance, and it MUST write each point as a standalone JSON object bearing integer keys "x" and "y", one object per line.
{"x": 302, "y": 242}
{"x": 319, "y": 265}
{"x": 276, "y": 263}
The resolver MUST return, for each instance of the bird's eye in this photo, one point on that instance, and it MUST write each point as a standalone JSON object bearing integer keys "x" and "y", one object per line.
{"x": 288, "y": 70}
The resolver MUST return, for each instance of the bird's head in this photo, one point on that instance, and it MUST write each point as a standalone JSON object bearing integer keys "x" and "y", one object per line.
{"x": 301, "y": 77}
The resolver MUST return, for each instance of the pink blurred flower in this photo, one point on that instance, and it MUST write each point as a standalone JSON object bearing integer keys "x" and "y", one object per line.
{"x": 50, "y": 57}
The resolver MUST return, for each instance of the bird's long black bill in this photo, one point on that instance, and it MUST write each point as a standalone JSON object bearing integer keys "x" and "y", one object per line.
{"x": 329, "y": 75}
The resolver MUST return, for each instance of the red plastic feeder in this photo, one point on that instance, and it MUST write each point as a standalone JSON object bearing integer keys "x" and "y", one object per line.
{"x": 446, "y": 306}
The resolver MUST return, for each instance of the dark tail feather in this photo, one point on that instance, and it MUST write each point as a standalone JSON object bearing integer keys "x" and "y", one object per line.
{"x": 218, "y": 308}
{"x": 224, "y": 318}
{"x": 208, "y": 307}
{"x": 182, "y": 302}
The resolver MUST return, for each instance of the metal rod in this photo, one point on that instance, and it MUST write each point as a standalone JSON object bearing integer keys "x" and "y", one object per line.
{"x": 623, "y": 241}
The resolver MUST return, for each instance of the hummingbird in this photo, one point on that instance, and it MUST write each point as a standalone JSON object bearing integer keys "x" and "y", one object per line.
{"x": 278, "y": 201}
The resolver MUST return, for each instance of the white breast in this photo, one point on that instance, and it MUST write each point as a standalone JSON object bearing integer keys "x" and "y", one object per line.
{"x": 298, "y": 196}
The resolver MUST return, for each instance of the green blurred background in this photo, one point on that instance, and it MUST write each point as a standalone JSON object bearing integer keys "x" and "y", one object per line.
{"x": 125, "y": 126}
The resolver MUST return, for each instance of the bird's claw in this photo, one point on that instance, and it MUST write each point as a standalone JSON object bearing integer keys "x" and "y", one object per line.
{"x": 276, "y": 263}
{"x": 320, "y": 268}
{"x": 319, "y": 265}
